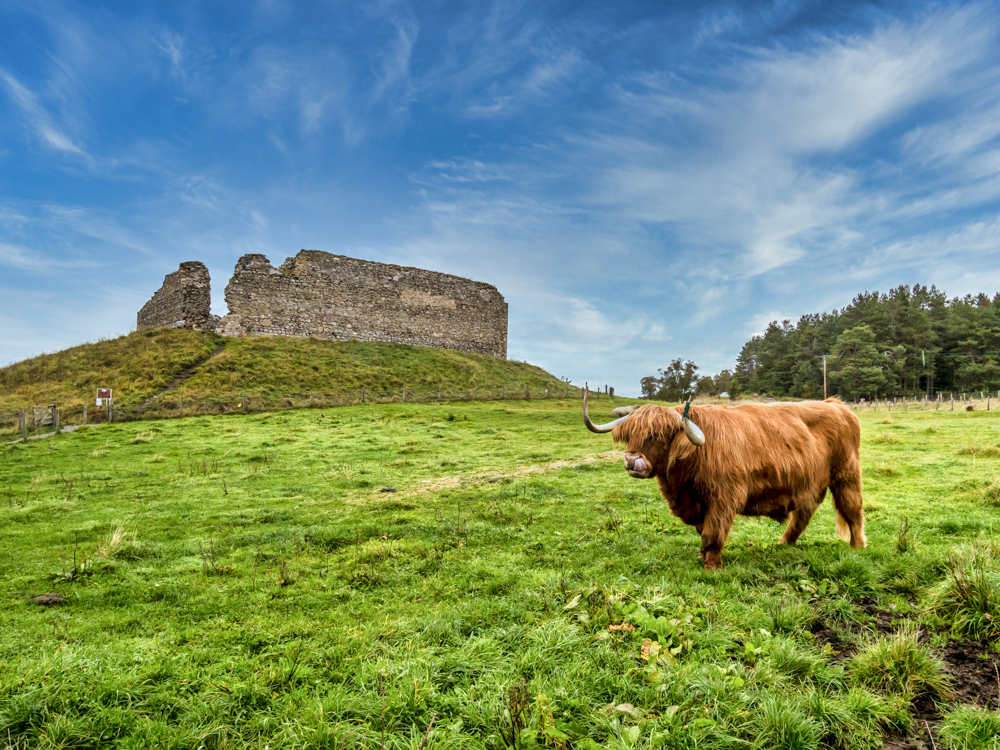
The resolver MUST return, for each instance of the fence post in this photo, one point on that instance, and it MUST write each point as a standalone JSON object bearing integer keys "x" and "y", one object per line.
{"x": 111, "y": 411}
{"x": 439, "y": 393}
{"x": 404, "y": 394}
{"x": 24, "y": 426}
{"x": 611, "y": 394}
{"x": 503, "y": 391}
{"x": 952, "y": 402}
{"x": 85, "y": 415}
{"x": 527, "y": 393}
{"x": 55, "y": 417}
{"x": 362, "y": 394}
{"x": 310, "y": 399}
{"x": 182, "y": 406}
{"x": 243, "y": 402}
{"x": 475, "y": 393}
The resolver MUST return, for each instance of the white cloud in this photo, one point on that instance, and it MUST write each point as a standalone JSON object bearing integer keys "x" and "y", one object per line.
{"x": 38, "y": 119}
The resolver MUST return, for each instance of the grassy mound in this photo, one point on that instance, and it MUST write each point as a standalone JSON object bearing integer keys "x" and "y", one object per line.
{"x": 269, "y": 370}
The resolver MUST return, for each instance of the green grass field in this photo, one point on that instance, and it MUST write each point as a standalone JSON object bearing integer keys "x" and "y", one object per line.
{"x": 246, "y": 581}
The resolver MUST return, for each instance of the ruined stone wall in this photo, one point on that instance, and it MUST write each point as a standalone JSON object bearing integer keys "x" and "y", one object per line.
{"x": 331, "y": 296}
{"x": 184, "y": 301}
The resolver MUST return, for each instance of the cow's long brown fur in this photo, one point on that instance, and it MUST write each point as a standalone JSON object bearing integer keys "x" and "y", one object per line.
{"x": 773, "y": 460}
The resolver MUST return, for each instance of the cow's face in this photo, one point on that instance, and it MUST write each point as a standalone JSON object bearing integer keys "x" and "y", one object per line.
{"x": 642, "y": 460}
{"x": 650, "y": 432}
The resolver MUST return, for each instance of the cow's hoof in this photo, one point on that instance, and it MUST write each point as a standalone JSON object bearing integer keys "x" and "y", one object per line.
{"x": 713, "y": 565}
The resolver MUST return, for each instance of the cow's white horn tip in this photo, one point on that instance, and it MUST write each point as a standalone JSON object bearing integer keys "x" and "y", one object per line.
{"x": 694, "y": 434}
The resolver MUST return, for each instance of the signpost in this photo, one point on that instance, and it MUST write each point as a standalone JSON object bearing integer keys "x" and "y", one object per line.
{"x": 104, "y": 397}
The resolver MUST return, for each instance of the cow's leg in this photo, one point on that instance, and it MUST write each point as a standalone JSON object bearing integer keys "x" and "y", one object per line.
{"x": 715, "y": 532}
{"x": 846, "y": 489}
{"x": 798, "y": 519}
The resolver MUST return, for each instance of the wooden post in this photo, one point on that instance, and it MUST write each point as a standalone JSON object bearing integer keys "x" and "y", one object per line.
{"x": 952, "y": 402}
{"x": 503, "y": 391}
{"x": 182, "y": 406}
{"x": 439, "y": 393}
{"x": 55, "y": 417}
{"x": 404, "y": 394}
{"x": 362, "y": 394}
{"x": 475, "y": 393}
{"x": 612, "y": 394}
{"x": 85, "y": 414}
{"x": 111, "y": 411}
{"x": 527, "y": 393}
{"x": 987, "y": 403}
{"x": 24, "y": 426}
{"x": 243, "y": 402}
{"x": 310, "y": 399}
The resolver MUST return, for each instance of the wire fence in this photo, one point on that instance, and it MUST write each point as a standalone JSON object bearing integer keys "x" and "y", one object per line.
{"x": 36, "y": 421}
{"x": 974, "y": 401}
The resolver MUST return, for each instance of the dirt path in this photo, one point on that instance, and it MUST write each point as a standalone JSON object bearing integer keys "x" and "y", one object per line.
{"x": 181, "y": 377}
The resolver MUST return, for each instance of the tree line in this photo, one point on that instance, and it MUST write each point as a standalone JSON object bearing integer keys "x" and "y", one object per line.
{"x": 910, "y": 341}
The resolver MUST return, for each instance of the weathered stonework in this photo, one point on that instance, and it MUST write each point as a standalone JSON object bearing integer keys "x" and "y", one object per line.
{"x": 184, "y": 301}
{"x": 331, "y": 296}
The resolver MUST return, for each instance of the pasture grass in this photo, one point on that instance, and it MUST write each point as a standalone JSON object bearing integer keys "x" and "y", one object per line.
{"x": 475, "y": 576}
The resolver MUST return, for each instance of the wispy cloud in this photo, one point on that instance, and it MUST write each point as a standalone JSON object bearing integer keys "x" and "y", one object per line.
{"x": 38, "y": 120}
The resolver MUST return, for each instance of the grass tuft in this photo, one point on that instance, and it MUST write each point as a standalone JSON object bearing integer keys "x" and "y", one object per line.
{"x": 884, "y": 471}
{"x": 970, "y": 728}
{"x": 968, "y": 601}
{"x": 901, "y": 665}
{"x": 783, "y": 724}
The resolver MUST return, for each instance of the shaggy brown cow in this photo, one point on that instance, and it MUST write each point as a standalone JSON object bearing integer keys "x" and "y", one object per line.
{"x": 773, "y": 460}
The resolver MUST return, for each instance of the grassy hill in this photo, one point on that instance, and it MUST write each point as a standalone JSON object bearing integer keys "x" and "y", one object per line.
{"x": 270, "y": 371}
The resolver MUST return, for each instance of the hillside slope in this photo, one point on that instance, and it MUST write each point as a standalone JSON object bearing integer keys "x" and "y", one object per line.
{"x": 270, "y": 370}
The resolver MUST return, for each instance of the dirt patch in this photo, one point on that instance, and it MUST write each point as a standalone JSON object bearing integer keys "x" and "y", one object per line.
{"x": 48, "y": 600}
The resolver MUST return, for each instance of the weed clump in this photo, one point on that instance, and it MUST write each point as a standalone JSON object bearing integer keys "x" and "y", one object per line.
{"x": 901, "y": 665}
{"x": 969, "y": 598}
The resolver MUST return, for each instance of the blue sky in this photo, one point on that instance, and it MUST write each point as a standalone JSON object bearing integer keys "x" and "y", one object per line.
{"x": 641, "y": 181}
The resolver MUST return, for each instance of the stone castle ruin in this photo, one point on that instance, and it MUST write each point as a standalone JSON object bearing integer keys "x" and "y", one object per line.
{"x": 335, "y": 297}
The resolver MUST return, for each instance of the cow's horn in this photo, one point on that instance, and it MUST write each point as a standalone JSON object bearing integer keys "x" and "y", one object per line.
{"x": 597, "y": 427}
{"x": 695, "y": 435}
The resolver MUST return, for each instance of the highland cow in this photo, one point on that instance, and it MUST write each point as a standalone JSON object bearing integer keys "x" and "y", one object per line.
{"x": 777, "y": 460}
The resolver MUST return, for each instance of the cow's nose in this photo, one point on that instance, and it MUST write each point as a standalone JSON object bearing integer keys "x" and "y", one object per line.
{"x": 635, "y": 464}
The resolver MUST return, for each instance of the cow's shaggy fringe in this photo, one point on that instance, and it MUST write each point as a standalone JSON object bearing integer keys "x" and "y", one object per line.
{"x": 773, "y": 460}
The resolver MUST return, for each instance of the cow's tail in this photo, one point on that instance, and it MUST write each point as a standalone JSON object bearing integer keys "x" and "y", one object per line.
{"x": 843, "y": 529}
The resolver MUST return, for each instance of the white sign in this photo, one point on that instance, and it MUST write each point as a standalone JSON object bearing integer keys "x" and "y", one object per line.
{"x": 103, "y": 396}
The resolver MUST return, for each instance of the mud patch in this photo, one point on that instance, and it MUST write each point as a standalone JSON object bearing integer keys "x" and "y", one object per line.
{"x": 973, "y": 667}
{"x": 976, "y": 671}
